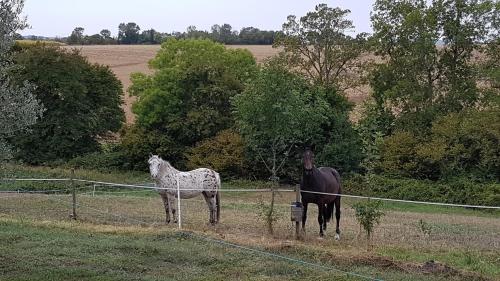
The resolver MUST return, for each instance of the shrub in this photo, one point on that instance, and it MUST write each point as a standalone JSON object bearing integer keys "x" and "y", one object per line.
{"x": 368, "y": 215}
{"x": 456, "y": 191}
{"x": 109, "y": 159}
{"x": 223, "y": 153}
{"x": 138, "y": 143}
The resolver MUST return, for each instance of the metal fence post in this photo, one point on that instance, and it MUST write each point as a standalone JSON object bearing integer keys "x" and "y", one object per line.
{"x": 73, "y": 214}
{"x": 179, "y": 204}
{"x": 297, "y": 224}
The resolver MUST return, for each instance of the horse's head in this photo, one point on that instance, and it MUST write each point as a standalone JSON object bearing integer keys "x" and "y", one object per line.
{"x": 154, "y": 165}
{"x": 308, "y": 159}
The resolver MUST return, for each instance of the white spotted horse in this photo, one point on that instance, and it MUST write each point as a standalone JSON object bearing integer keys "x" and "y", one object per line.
{"x": 191, "y": 184}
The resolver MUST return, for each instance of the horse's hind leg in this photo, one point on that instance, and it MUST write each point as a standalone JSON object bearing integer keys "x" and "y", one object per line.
{"x": 171, "y": 203}
{"x": 164, "y": 198}
{"x": 337, "y": 216}
{"x": 321, "y": 212}
{"x": 212, "y": 205}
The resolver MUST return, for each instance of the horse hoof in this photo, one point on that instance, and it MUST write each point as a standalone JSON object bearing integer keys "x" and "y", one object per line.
{"x": 337, "y": 236}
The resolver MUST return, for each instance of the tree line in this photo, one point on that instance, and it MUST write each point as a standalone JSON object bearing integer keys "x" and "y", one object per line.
{"x": 130, "y": 33}
{"x": 429, "y": 129}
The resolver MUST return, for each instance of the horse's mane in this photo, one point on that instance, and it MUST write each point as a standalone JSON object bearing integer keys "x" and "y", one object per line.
{"x": 165, "y": 166}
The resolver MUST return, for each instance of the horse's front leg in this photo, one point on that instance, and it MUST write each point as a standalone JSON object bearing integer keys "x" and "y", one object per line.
{"x": 321, "y": 211}
{"x": 166, "y": 204}
{"x": 304, "y": 216}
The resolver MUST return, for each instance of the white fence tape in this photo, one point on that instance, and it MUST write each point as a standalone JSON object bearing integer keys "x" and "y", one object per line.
{"x": 268, "y": 190}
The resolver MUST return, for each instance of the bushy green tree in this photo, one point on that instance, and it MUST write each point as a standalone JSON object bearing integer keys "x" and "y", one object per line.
{"x": 77, "y": 37}
{"x": 187, "y": 99}
{"x": 277, "y": 111}
{"x": 128, "y": 33}
{"x": 18, "y": 106}
{"x": 83, "y": 102}
{"x": 428, "y": 50}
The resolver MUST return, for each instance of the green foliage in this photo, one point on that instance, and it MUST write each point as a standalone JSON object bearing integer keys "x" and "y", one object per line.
{"x": 466, "y": 143}
{"x": 138, "y": 143}
{"x": 422, "y": 81}
{"x": 399, "y": 154}
{"x": 425, "y": 227}
{"x": 342, "y": 146}
{"x": 110, "y": 158}
{"x": 82, "y": 101}
{"x": 19, "y": 108}
{"x": 188, "y": 98}
{"x": 223, "y": 153}
{"x": 277, "y": 111}
{"x": 457, "y": 190}
{"x": 128, "y": 33}
{"x": 368, "y": 215}
{"x": 318, "y": 46}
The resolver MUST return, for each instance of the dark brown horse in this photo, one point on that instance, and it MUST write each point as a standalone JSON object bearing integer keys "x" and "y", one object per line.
{"x": 321, "y": 180}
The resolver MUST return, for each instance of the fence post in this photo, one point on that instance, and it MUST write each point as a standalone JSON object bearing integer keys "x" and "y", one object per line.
{"x": 297, "y": 224}
{"x": 73, "y": 214}
{"x": 179, "y": 204}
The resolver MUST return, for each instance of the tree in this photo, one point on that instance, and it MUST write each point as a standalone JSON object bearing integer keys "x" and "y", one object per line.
{"x": 106, "y": 34}
{"x": 19, "y": 108}
{"x": 76, "y": 37}
{"x": 128, "y": 33}
{"x": 277, "y": 111}
{"x": 420, "y": 80}
{"x": 224, "y": 34}
{"x": 82, "y": 100}
{"x": 318, "y": 46}
{"x": 188, "y": 97}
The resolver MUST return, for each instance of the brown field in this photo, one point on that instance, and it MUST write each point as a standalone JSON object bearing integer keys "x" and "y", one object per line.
{"x": 127, "y": 59}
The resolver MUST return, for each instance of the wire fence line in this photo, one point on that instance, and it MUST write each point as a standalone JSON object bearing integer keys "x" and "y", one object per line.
{"x": 156, "y": 188}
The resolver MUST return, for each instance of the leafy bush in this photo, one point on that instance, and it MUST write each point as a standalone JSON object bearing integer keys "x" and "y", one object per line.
{"x": 82, "y": 102}
{"x": 457, "y": 191}
{"x": 459, "y": 144}
{"x": 138, "y": 143}
{"x": 109, "y": 159}
{"x": 368, "y": 215}
{"x": 223, "y": 153}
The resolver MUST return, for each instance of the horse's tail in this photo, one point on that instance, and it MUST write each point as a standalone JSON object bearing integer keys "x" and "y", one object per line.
{"x": 329, "y": 211}
{"x": 217, "y": 195}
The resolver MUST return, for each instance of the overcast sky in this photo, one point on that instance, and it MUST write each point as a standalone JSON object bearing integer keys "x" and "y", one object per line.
{"x": 59, "y": 17}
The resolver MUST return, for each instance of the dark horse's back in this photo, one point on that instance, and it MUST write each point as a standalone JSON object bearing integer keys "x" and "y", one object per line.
{"x": 322, "y": 180}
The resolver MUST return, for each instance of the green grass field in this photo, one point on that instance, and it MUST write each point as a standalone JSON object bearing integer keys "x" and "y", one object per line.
{"x": 120, "y": 235}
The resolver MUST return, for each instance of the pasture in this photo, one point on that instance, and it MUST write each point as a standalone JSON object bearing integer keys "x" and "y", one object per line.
{"x": 120, "y": 234}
